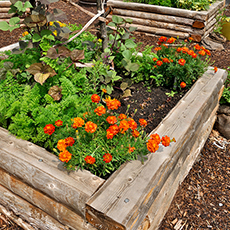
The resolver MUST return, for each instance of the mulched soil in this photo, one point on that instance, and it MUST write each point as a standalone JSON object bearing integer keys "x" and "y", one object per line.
{"x": 202, "y": 200}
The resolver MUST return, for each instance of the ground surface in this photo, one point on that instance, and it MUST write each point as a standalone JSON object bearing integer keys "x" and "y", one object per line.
{"x": 202, "y": 200}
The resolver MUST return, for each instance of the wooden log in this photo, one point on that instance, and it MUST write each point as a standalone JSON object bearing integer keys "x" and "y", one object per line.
{"x": 126, "y": 197}
{"x": 152, "y": 16}
{"x": 15, "y": 219}
{"x": 28, "y": 212}
{"x": 53, "y": 208}
{"x": 198, "y": 24}
{"x": 4, "y": 10}
{"x": 43, "y": 171}
{"x": 199, "y": 15}
{"x": 5, "y": 4}
{"x": 6, "y": 15}
{"x": 167, "y": 26}
{"x": 160, "y": 31}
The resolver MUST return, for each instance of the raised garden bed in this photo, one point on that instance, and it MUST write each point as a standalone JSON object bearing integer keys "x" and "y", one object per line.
{"x": 168, "y": 21}
{"x": 36, "y": 187}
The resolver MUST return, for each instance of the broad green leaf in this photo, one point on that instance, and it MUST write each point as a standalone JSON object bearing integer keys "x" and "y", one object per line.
{"x": 116, "y": 78}
{"x": 117, "y": 20}
{"x": 111, "y": 24}
{"x": 13, "y": 21}
{"x": 127, "y": 54}
{"x": 4, "y": 26}
{"x": 129, "y": 20}
{"x": 132, "y": 28}
{"x": 107, "y": 79}
{"x": 36, "y": 38}
{"x": 124, "y": 85}
{"x": 133, "y": 67}
{"x": 19, "y": 5}
{"x": 130, "y": 43}
{"x": 46, "y": 32}
{"x": 14, "y": 27}
{"x": 28, "y": 5}
{"x": 125, "y": 36}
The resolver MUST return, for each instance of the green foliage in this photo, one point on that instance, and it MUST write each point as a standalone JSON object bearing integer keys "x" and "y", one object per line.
{"x": 225, "y": 99}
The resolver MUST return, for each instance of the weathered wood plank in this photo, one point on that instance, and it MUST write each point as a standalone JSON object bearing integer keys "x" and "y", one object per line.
{"x": 199, "y": 15}
{"x": 5, "y": 4}
{"x": 125, "y": 197}
{"x": 43, "y": 173}
{"x": 4, "y": 10}
{"x": 53, "y": 208}
{"x": 156, "y": 17}
{"x": 28, "y": 212}
{"x": 5, "y": 15}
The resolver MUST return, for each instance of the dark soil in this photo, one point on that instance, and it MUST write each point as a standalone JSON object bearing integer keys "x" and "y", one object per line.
{"x": 202, "y": 200}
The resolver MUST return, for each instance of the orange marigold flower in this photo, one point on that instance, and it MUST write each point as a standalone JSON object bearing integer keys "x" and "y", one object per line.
{"x": 156, "y": 138}
{"x": 58, "y": 123}
{"x": 123, "y": 126}
{"x": 112, "y": 103}
{"x": 181, "y": 61}
{"x": 135, "y": 133}
{"x": 165, "y": 45}
{"x": 202, "y": 52}
{"x": 65, "y": 156}
{"x": 171, "y": 60}
{"x": 90, "y": 127}
{"x": 109, "y": 134}
{"x": 194, "y": 55}
{"x": 69, "y": 141}
{"x": 190, "y": 52}
{"x": 179, "y": 49}
{"x": 100, "y": 110}
{"x": 78, "y": 122}
{"x": 143, "y": 122}
{"x": 165, "y": 141}
{"x": 95, "y": 98}
{"x": 157, "y": 48}
{"x": 111, "y": 120}
{"x": 197, "y": 47}
{"x": 25, "y": 33}
{"x": 162, "y": 39}
{"x": 215, "y": 69}
{"x": 131, "y": 149}
{"x": 185, "y": 49}
{"x": 155, "y": 59}
{"x": 171, "y": 40}
{"x": 122, "y": 116}
{"x": 165, "y": 60}
{"x": 190, "y": 38}
{"x": 104, "y": 90}
{"x": 49, "y": 129}
{"x": 207, "y": 52}
{"x": 159, "y": 63}
{"x": 61, "y": 145}
{"x": 114, "y": 129}
{"x": 152, "y": 146}
{"x": 182, "y": 85}
{"x": 132, "y": 124}
{"x": 90, "y": 160}
{"x": 107, "y": 157}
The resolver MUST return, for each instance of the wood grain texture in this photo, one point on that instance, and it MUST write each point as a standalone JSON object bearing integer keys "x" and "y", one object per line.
{"x": 5, "y": 3}
{"x": 28, "y": 212}
{"x": 53, "y": 208}
{"x": 199, "y": 15}
{"x": 127, "y": 196}
{"x": 43, "y": 171}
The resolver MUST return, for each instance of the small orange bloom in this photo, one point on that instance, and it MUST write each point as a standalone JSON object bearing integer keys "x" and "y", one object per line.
{"x": 156, "y": 138}
{"x": 202, "y": 52}
{"x": 185, "y": 49}
{"x": 112, "y": 103}
{"x": 135, "y": 133}
{"x": 123, "y": 126}
{"x": 162, "y": 39}
{"x": 104, "y": 90}
{"x": 165, "y": 60}
{"x": 182, "y": 85}
{"x": 159, "y": 63}
{"x": 122, "y": 116}
{"x": 58, "y": 123}
{"x": 107, "y": 157}
{"x": 215, "y": 69}
{"x": 65, "y": 156}
{"x": 171, "y": 40}
{"x": 90, "y": 160}
{"x": 90, "y": 127}
{"x": 61, "y": 145}
{"x": 157, "y": 48}
{"x": 155, "y": 59}
{"x": 207, "y": 52}
{"x": 165, "y": 141}
{"x": 143, "y": 122}
{"x": 165, "y": 45}
{"x": 131, "y": 149}
{"x": 78, "y": 122}
{"x": 197, "y": 47}
{"x": 181, "y": 62}
{"x": 179, "y": 49}
{"x": 114, "y": 129}
{"x": 95, "y": 98}
{"x": 25, "y": 33}
{"x": 152, "y": 146}
{"x": 194, "y": 55}
{"x": 100, "y": 110}
{"x": 109, "y": 135}
{"x": 190, "y": 38}
{"x": 69, "y": 141}
{"x": 49, "y": 129}
{"x": 132, "y": 124}
{"x": 111, "y": 120}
